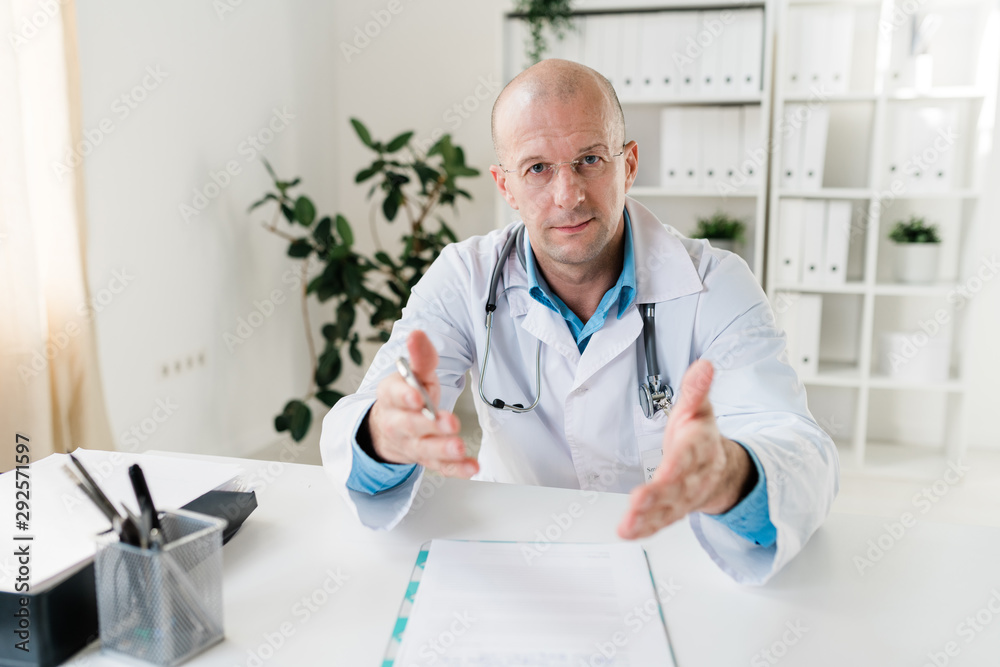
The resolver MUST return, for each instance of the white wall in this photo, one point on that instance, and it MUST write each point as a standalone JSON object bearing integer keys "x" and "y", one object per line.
{"x": 188, "y": 282}
{"x": 192, "y": 281}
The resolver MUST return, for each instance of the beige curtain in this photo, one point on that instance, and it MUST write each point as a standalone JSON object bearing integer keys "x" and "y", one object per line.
{"x": 50, "y": 386}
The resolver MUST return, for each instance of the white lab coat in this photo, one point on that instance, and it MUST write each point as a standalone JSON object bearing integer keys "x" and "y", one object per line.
{"x": 588, "y": 429}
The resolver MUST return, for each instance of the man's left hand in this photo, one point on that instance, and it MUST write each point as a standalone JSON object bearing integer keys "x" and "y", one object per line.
{"x": 701, "y": 471}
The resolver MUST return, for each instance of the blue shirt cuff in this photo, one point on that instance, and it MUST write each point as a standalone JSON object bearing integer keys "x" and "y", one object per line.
{"x": 369, "y": 476}
{"x": 750, "y": 518}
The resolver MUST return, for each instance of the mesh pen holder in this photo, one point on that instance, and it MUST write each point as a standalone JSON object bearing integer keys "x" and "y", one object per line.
{"x": 162, "y": 606}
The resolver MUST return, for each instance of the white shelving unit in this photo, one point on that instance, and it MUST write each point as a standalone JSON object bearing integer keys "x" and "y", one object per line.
{"x": 677, "y": 206}
{"x": 884, "y": 424}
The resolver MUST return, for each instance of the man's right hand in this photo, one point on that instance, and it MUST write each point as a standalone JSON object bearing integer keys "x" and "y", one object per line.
{"x": 400, "y": 433}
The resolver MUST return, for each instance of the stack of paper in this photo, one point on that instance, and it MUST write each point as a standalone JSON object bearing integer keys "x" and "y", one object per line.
{"x": 497, "y": 603}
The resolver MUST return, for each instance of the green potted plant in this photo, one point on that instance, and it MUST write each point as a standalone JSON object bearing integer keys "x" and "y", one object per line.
{"x": 556, "y": 14}
{"x": 917, "y": 250}
{"x": 408, "y": 183}
{"x": 722, "y": 231}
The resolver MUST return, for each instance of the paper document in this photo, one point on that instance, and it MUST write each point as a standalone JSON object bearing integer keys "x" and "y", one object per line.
{"x": 64, "y": 523}
{"x": 494, "y": 604}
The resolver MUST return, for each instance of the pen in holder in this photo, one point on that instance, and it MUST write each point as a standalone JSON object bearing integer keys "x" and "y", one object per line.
{"x": 162, "y": 604}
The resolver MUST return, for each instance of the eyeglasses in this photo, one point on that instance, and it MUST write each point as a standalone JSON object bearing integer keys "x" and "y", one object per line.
{"x": 589, "y": 167}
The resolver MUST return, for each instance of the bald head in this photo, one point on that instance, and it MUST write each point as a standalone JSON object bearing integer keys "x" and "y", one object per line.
{"x": 561, "y": 82}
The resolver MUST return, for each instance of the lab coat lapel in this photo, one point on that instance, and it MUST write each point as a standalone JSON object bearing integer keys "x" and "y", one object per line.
{"x": 608, "y": 342}
{"x": 541, "y": 322}
{"x": 663, "y": 268}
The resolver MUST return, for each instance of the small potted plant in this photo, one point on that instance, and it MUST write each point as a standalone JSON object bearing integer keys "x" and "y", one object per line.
{"x": 918, "y": 249}
{"x": 722, "y": 231}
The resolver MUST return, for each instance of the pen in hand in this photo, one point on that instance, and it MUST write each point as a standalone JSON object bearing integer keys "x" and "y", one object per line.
{"x": 403, "y": 366}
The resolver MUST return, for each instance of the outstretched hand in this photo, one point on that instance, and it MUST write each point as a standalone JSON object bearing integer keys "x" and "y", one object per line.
{"x": 701, "y": 471}
{"x": 401, "y": 433}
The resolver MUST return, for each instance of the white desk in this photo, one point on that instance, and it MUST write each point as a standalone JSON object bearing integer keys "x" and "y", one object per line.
{"x": 906, "y": 605}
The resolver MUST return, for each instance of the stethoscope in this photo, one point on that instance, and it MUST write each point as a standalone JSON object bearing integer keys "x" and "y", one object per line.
{"x": 654, "y": 395}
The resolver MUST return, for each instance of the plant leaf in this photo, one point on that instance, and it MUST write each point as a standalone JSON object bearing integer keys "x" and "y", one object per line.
{"x": 260, "y": 202}
{"x": 398, "y": 142}
{"x": 305, "y": 212}
{"x": 344, "y": 230}
{"x": 329, "y": 397}
{"x": 299, "y": 248}
{"x": 362, "y": 131}
{"x": 322, "y": 232}
{"x": 391, "y": 204}
{"x": 328, "y": 368}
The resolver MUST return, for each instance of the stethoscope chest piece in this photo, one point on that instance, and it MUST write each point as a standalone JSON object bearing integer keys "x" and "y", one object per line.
{"x": 652, "y": 399}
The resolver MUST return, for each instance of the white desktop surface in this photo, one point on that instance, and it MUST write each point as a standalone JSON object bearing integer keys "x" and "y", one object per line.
{"x": 908, "y": 604}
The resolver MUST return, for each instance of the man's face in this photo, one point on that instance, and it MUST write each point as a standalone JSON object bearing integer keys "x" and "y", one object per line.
{"x": 572, "y": 218}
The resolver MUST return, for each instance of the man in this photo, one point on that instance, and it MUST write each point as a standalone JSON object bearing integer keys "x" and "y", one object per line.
{"x": 749, "y": 466}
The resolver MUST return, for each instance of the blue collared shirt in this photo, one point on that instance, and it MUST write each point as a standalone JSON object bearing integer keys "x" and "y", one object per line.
{"x": 749, "y": 518}
{"x": 622, "y": 294}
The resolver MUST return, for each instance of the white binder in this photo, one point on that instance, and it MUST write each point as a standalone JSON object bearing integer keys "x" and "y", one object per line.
{"x": 593, "y": 42}
{"x": 809, "y": 313}
{"x": 794, "y": 61}
{"x": 841, "y": 40}
{"x": 791, "y": 136}
{"x": 813, "y": 242}
{"x": 711, "y": 56}
{"x": 790, "y": 223}
{"x": 691, "y": 148}
{"x": 902, "y": 64}
{"x": 611, "y": 48}
{"x": 731, "y": 56}
{"x": 752, "y": 155}
{"x": 815, "y": 47}
{"x": 628, "y": 66}
{"x": 685, "y": 43}
{"x": 653, "y": 44}
{"x": 671, "y": 134}
{"x": 730, "y": 129}
{"x": 900, "y": 121}
{"x": 516, "y": 32}
{"x": 751, "y": 38}
{"x": 570, "y": 47}
{"x": 814, "y": 148}
{"x": 800, "y": 319}
{"x": 838, "y": 236}
{"x": 712, "y": 148}
{"x": 667, "y": 70}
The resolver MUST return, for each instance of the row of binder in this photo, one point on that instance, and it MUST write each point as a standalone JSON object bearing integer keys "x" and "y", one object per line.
{"x": 818, "y": 53}
{"x": 711, "y": 148}
{"x": 800, "y": 316}
{"x": 814, "y": 238}
{"x": 923, "y": 146}
{"x": 803, "y": 135}
{"x": 669, "y": 54}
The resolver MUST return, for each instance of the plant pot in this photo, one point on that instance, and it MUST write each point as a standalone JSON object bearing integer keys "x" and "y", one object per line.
{"x": 723, "y": 244}
{"x": 917, "y": 262}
